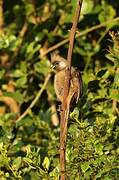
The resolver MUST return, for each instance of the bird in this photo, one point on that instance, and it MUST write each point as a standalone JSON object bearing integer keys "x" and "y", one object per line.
{"x": 59, "y": 65}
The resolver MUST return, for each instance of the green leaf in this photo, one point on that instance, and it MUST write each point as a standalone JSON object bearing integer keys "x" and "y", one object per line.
{"x": 9, "y": 41}
{"x": 24, "y": 121}
{"x": 99, "y": 148}
{"x": 17, "y": 73}
{"x": 114, "y": 94}
{"x": 96, "y": 48}
{"x": 23, "y": 67}
{"x": 1, "y": 145}
{"x": 71, "y": 11}
{"x": 85, "y": 166}
{"x": 17, "y": 163}
{"x": 75, "y": 114}
{"x": 4, "y": 161}
{"x": 46, "y": 163}
{"x": 87, "y": 7}
{"x": 116, "y": 78}
{"x": 55, "y": 173}
{"x": 31, "y": 49}
{"x": 21, "y": 81}
{"x": 107, "y": 13}
{"x": 42, "y": 67}
{"x": 112, "y": 58}
{"x": 2, "y": 71}
{"x": 29, "y": 7}
{"x": 16, "y": 9}
{"x": 28, "y": 160}
{"x": 39, "y": 36}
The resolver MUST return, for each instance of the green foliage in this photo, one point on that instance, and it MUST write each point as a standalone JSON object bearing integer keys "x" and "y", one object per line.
{"x": 29, "y": 148}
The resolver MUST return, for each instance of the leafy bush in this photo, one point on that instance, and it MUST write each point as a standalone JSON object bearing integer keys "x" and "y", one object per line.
{"x": 29, "y": 148}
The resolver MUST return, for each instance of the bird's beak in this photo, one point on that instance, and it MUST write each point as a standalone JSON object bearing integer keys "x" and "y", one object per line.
{"x": 52, "y": 66}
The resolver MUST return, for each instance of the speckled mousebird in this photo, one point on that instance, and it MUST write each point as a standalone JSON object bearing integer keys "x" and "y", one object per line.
{"x": 59, "y": 64}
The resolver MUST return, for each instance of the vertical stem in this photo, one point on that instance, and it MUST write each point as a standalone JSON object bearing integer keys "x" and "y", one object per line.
{"x": 65, "y": 108}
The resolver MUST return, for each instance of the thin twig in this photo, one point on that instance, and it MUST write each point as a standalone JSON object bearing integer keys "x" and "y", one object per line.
{"x": 65, "y": 108}
{"x": 35, "y": 99}
{"x": 23, "y": 30}
{"x": 52, "y": 48}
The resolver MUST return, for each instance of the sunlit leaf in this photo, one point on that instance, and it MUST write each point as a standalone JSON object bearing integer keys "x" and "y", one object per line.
{"x": 46, "y": 163}
{"x": 85, "y": 166}
{"x": 42, "y": 67}
{"x": 21, "y": 81}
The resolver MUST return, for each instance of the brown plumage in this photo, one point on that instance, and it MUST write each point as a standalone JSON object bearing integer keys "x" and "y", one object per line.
{"x": 59, "y": 66}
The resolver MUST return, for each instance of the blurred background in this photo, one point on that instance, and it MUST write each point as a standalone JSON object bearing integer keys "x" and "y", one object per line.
{"x": 29, "y": 142}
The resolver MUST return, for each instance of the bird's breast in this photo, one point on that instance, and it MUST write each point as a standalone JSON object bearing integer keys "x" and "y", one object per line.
{"x": 59, "y": 84}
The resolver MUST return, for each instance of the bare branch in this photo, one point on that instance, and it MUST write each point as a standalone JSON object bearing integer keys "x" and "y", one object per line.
{"x": 35, "y": 99}
{"x": 65, "y": 107}
{"x": 52, "y": 48}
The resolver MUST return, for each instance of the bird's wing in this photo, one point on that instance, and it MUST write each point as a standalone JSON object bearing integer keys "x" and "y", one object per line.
{"x": 76, "y": 83}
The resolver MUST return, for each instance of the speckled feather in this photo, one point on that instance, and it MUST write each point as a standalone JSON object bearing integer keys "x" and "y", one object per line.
{"x": 75, "y": 91}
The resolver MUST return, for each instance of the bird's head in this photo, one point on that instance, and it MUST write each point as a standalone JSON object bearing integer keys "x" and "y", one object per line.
{"x": 58, "y": 63}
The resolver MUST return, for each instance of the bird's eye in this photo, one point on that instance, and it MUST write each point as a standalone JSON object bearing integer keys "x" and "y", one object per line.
{"x": 55, "y": 63}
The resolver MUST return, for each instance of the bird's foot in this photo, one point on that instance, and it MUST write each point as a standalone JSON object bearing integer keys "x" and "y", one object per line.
{"x": 59, "y": 108}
